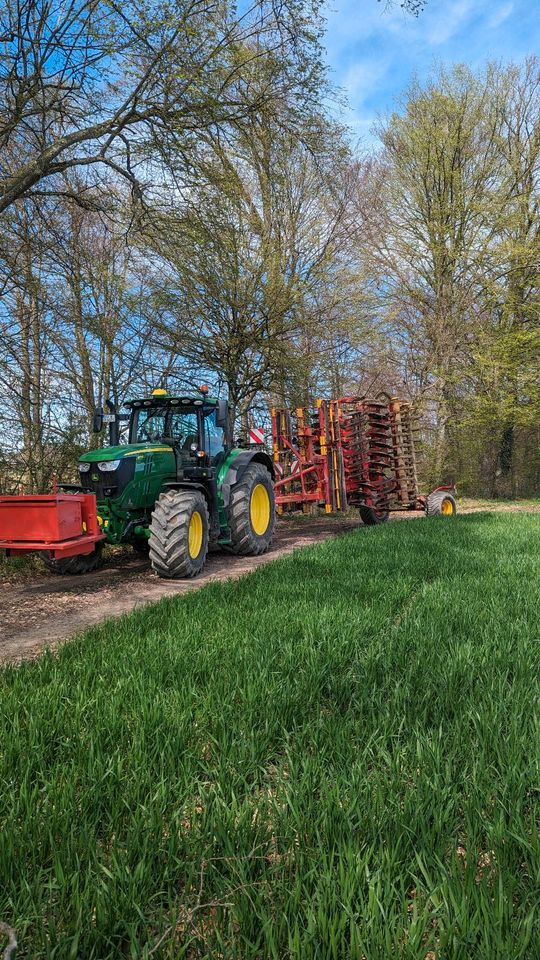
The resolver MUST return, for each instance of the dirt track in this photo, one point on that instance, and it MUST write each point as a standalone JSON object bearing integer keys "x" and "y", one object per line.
{"x": 51, "y": 609}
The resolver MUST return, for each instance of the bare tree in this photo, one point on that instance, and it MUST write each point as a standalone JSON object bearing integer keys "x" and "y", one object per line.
{"x": 99, "y": 83}
{"x": 253, "y": 257}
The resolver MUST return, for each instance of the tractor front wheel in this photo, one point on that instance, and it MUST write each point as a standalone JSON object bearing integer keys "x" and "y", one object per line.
{"x": 83, "y": 563}
{"x": 252, "y": 511}
{"x": 178, "y": 542}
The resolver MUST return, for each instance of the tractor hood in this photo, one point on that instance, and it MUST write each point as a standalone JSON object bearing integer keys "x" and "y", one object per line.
{"x": 119, "y": 453}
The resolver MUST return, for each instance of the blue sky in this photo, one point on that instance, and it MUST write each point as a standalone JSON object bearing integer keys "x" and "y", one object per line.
{"x": 373, "y": 50}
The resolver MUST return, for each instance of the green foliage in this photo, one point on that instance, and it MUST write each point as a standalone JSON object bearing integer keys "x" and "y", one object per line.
{"x": 459, "y": 210}
{"x": 333, "y": 757}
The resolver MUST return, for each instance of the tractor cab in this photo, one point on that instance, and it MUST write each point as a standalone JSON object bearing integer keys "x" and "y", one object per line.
{"x": 196, "y": 427}
{"x": 170, "y": 439}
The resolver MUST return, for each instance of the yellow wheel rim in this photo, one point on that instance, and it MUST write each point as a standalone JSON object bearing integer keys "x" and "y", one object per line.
{"x": 447, "y": 508}
{"x": 259, "y": 509}
{"x": 195, "y": 534}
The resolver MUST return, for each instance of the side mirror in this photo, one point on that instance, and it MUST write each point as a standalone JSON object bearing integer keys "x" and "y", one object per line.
{"x": 97, "y": 425}
{"x": 222, "y": 415}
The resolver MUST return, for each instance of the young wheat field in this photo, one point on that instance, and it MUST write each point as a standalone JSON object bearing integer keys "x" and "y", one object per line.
{"x": 335, "y": 757}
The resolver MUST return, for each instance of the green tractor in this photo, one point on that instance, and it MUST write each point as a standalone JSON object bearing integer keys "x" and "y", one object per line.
{"x": 178, "y": 488}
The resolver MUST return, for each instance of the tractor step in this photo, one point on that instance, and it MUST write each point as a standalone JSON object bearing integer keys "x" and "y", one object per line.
{"x": 64, "y": 525}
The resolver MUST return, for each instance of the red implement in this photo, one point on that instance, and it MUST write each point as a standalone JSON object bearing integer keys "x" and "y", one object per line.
{"x": 349, "y": 452}
{"x": 64, "y": 525}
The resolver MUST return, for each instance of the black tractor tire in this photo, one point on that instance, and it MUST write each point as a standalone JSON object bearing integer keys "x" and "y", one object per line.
{"x": 370, "y": 516}
{"x": 178, "y": 542}
{"x": 440, "y": 503}
{"x": 83, "y": 563}
{"x": 252, "y": 511}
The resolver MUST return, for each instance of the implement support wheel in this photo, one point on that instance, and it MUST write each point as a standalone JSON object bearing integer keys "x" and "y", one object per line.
{"x": 441, "y": 504}
{"x": 370, "y": 516}
{"x": 252, "y": 511}
{"x": 178, "y": 542}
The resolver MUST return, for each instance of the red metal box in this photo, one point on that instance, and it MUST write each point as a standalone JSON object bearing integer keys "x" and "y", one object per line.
{"x": 43, "y": 518}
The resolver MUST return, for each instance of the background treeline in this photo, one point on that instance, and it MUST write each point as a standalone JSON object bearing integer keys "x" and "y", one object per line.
{"x": 177, "y": 203}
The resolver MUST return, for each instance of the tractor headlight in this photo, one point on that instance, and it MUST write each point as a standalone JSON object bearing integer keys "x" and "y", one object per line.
{"x": 84, "y": 467}
{"x": 107, "y": 466}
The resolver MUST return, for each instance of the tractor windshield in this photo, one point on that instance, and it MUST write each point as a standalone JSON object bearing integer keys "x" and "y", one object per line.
{"x": 151, "y": 424}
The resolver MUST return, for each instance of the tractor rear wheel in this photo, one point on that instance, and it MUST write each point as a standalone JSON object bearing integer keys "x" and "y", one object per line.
{"x": 252, "y": 511}
{"x": 440, "y": 503}
{"x": 83, "y": 563}
{"x": 370, "y": 516}
{"x": 178, "y": 542}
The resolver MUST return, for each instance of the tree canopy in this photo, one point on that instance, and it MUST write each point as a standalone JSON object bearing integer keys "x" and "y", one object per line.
{"x": 178, "y": 202}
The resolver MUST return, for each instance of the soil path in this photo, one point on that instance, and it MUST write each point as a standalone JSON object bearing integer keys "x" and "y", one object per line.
{"x": 52, "y": 608}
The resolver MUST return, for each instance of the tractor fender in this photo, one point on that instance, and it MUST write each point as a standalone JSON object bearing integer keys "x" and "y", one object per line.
{"x": 185, "y": 485}
{"x": 239, "y": 466}
{"x": 192, "y": 485}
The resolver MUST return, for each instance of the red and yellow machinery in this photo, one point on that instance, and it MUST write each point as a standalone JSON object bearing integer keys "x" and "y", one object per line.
{"x": 354, "y": 451}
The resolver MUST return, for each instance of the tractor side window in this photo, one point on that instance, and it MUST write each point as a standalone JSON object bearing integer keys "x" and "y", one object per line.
{"x": 184, "y": 429}
{"x": 150, "y": 425}
{"x": 214, "y": 438}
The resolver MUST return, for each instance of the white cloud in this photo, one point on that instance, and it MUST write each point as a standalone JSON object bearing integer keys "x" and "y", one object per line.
{"x": 357, "y": 21}
{"x": 451, "y": 18}
{"x": 500, "y": 15}
{"x": 373, "y": 49}
{"x": 362, "y": 79}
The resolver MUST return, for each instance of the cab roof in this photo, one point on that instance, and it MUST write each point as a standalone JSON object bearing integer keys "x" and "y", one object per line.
{"x": 162, "y": 398}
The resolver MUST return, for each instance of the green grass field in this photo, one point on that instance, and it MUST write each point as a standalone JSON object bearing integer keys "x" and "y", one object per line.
{"x": 335, "y": 757}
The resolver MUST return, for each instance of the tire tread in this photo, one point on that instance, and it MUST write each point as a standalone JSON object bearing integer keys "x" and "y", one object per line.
{"x": 434, "y": 502}
{"x": 168, "y": 542}
{"x": 245, "y": 541}
{"x": 75, "y": 566}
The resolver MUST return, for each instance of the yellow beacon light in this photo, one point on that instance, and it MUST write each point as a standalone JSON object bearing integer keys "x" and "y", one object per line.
{"x": 159, "y": 392}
